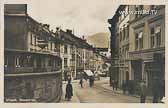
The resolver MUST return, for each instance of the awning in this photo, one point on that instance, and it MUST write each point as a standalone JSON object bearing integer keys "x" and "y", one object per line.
{"x": 140, "y": 35}
{"x": 89, "y": 72}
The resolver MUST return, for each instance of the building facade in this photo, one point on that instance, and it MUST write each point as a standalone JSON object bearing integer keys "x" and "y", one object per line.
{"x": 32, "y": 64}
{"x": 147, "y": 48}
{"x": 77, "y": 55}
{"x": 138, "y": 43}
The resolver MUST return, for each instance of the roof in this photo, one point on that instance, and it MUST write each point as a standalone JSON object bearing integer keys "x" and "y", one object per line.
{"x": 114, "y": 18}
{"x": 15, "y": 8}
{"x": 75, "y": 40}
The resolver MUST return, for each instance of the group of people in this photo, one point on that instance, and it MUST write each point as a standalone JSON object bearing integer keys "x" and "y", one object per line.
{"x": 157, "y": 90}
{"x": 69, "y": 88}
{"x": 91, "y": 81}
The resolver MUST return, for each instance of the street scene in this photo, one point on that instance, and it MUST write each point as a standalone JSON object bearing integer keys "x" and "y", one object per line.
{"x": 100, "y": 93}
{"x": 118, "y": 58}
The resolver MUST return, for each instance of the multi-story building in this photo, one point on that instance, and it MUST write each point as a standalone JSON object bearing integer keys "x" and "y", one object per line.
{"x": 77, "y": 55}
{"x": 124, "y": 45}
{"x": 32, "y": 62}
{"x": 137, "y": 43}
{"x": 147, "y": 48}
{"x": 115, "y": 48}
{"x": 68, "y": 54}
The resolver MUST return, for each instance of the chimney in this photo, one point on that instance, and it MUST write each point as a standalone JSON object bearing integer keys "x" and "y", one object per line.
{"x": 69, "y": 31}
{"x": 83, "y": 38}
{"x": 57, "y": 28}
{"x": 47, "y": 26}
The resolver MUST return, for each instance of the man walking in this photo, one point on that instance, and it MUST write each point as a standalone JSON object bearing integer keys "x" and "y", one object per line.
{"x": 113, "y": 84}
{"x": 81, "y": 82}
{"x": 116, "y": 84}
{"x": 143, "y": 90}
{"x": 124, "y": 86}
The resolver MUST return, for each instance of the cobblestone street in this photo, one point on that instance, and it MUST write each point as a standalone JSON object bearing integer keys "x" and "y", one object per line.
{"x": 100, "y": 93}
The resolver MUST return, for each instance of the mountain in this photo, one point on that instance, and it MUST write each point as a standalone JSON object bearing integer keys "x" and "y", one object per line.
{"x": 100, "y": 40}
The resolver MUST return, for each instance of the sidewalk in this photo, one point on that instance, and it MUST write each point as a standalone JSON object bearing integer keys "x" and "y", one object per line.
{"x": 119, "y": 91}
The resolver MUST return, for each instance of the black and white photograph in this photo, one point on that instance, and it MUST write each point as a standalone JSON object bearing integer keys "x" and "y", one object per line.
{"x": 62, "y": 51}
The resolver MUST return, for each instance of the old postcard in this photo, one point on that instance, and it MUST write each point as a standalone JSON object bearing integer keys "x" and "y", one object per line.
{"x": 77, "y": 51}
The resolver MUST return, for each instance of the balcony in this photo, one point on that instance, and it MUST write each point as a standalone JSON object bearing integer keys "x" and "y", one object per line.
{"x": 18, "y": 69}
{"x": 13, "y": 70}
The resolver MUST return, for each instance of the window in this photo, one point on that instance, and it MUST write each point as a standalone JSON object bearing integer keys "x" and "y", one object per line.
{"x": 124, "y": 32}
{"x": 123, "y": 35}
{"x": 65, "y": 62}
{"x": 31, "y": 38}
{"x": 120, "y": 36}
{"x": 50, "y": 45}
{"x": 50, "y": 62}
{"x": 30, "y": 61}
{"x": 155, "y": 37}
{"x": 127, "y": 31}
{"x": 35, "y": 40}
{"x": 140, "y": 40}
{"x": 56, "y": 46}
{"x": 152, "y": 36}
{"x": 65, "y": 49}
{"x": 158, "y": 36}
{"x": 136, "y": 41}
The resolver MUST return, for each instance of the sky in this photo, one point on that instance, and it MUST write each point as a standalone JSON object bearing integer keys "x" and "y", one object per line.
{"x": 85, "y": 17}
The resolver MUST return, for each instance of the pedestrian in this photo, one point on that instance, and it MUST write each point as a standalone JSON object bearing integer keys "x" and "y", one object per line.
{"x": 113, "y": 84}
{"x": 69, "y": 91}
{"x": 116, "y": 84}
{"x": 143, "y": 90}
{"x": 124, "y": 87}
{"x": 156, "y": 89}
{"x": 92, "y": 80}
{"x": 81, "y": 82}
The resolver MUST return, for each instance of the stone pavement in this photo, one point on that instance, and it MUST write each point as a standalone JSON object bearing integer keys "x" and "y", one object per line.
{"x": 105, "y": 84}
{"x": 102, "y": 83}
{"x": 119, "y": 91}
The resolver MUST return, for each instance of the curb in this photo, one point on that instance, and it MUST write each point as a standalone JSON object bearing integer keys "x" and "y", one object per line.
{"x": 125, "y": 94}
